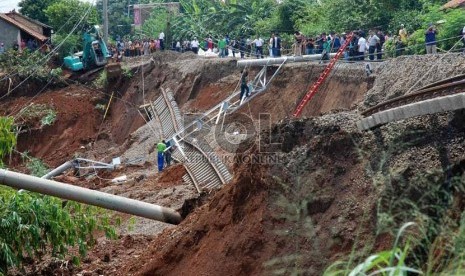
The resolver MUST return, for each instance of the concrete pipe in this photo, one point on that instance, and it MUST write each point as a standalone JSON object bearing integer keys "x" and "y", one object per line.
{"x": 60, "y": 169}
{"x": 87, "y": 196}
{"x": 279, "y": 60}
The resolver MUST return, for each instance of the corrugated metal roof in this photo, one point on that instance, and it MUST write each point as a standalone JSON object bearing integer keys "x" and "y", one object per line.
{"x": 35, "y": 34}
{"x": 454, "y": 4}
{"x": 13, "y": 13}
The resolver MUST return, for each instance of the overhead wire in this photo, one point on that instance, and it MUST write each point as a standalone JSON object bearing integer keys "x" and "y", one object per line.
{"x": 140, "y": 66}
{"x": 45, "y": 58}
{"x": 50, "y": 79}
{"x": 18, "y": 113}
{"x": 53, "y": 51}
{"x": 432, "y": 67}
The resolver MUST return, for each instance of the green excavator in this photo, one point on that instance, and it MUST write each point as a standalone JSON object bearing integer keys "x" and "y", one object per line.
{"x": 94, "y": 55}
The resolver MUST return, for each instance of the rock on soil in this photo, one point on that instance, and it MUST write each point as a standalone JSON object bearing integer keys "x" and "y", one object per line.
{"x": 397, "y": 76}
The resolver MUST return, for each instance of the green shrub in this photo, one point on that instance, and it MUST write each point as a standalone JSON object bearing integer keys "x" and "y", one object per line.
{"x": 102, "y": 80}
{"x": 49, "y": 118}
{"x": 410, "y": 18}
{"x": 37, "y": 112}
{"x": 56, "y": 72}
{"x": 7, "y": 137}
{"x": 389, "y": 262}
{"x": 390, "y": 48}
{"x": 35, "y": 166}
{"x": 69, "y": 45}
{"x": 32, "y": 225}
{"x": 450, "y": 28}
{"x": 127, "y": 72}
{"x": 25, "y": 64}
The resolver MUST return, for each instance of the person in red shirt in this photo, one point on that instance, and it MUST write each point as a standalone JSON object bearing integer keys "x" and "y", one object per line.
{"x": 210, "y": 43}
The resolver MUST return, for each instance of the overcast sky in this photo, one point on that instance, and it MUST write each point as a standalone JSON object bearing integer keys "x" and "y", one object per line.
{"x": 8, "y": 5}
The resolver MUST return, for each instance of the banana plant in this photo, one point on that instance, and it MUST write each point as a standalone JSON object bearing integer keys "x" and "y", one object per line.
{"x": 7, "y": 136}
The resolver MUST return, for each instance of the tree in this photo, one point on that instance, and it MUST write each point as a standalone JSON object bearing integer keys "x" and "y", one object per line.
{"x": 36, "y": 9}
{"x": 70, "y": 44}
{"x": 118, "y": 18}
{"x": 63, "y": 15}
{"x": 246, "y": 17}
{"x": 233, "y": 17}
{"x": 32, "y": 224}
{"x": 157, "y": 22}
{"x": 289, "y": 13}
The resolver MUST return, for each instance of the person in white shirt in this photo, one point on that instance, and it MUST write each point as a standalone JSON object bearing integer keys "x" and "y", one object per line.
{"x": 362, "y": 44}
{"x": 373, "y": 42}
{"x": 248, "y": 45}
{"x": 146, "y": 47}
{"x": 161, "y": 38}
{"x": 195, "y": 45}
{"x": 270, "y": 47}
{"x": 258, "y": 47}
{"x": 298, "y": 43}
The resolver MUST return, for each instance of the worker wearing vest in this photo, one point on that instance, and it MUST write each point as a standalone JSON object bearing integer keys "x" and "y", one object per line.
{"x": 161, "y": 158}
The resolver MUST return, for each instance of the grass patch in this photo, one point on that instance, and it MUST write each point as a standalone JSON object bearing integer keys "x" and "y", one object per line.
{"x": 102, "y": 80}
{"x": 127, "y": 72}
{"x": 42, "y": 113}
{"x": 410, "y": 196}
{"x": 49, "y": 118}
{"x": 35, "y": 166}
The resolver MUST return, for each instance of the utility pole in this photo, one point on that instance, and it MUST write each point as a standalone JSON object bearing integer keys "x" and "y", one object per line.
{"x": 105, "y": 21}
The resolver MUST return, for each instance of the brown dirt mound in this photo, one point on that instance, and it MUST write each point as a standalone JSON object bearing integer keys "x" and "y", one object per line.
{"x": 76, "y": 125}
{"x": 106, "y": 258}
{"x": 172, "y": 175}
{"x": 226, "y": 236}
{"x": 305, "y": 207}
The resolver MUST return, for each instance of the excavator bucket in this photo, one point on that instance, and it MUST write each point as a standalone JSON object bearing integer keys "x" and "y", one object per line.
{"x": 113, "y": 70}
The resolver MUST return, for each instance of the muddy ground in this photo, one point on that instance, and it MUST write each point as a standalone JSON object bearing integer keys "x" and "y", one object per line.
{"x": 311, "y": 201}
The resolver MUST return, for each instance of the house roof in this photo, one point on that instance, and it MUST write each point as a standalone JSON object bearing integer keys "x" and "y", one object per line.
{"x": 22, "y": 27}
{"x": 454, "y": 4}
{"x": 15, "y": 13}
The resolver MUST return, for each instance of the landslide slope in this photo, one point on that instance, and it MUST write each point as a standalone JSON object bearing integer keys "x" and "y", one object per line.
{"x": 325, "y": 189}
{"x": 330, "y": 191}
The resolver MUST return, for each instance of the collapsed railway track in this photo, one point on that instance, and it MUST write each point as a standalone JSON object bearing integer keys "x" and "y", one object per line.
{"x": 444, "y": 87}
{"x": 442, "y": 96}
{"x": 204, "y": 168}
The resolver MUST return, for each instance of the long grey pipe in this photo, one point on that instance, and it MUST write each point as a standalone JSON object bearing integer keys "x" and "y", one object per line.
{"x": 87, "y": 196}
{"x": 279, "y": 60}
{"x": 60, "y": 169}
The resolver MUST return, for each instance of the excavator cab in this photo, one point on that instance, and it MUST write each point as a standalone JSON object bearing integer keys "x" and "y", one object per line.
{"x": 94, "y": 54}
{"x": 97, "y": 54}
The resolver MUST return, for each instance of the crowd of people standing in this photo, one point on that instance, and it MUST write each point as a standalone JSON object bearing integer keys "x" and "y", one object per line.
{"x": 363, "y": 45}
